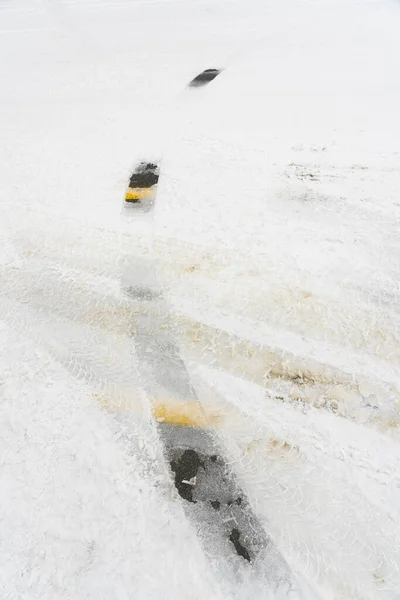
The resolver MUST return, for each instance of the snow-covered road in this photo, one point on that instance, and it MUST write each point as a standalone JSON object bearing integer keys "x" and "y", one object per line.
{"x": 274, "y": 243}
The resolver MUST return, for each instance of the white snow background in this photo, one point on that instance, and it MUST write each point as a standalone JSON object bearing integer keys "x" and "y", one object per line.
{"x": 276, "y": 235}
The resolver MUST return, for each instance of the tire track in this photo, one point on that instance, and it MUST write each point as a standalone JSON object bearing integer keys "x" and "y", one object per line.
{"x": 212, "y": 498}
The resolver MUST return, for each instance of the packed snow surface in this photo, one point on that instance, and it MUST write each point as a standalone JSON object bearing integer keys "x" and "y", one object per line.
{"x": 275, "y": 239}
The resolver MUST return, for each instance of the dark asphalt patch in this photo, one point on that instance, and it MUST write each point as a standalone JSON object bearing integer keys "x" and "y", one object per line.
{"x": 204, "y": 77}
{"x": 185, "y": 469}
{"x": 145, "y": 175}
{"x": 240, "y": 549}
{"x": 211, "y": 493}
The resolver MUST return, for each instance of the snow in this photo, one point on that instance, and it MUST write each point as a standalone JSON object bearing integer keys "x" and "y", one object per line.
{"x": 308, "y": 477}
{"x": 85, "y": 513}
{"x": 275, "y": 239}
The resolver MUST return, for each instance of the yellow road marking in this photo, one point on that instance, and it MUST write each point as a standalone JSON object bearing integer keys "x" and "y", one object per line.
{"x": 174, "y": 411}
{"x": 140, "y": 193}
{"x": 180, "y": 412}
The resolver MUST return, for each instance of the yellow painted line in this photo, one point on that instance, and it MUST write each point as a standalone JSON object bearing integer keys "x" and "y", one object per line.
{"x": 133, "y": 194}
{"x": 174, "y": 411}
{"x": 188, "y": 413}
{"x": 212, "y": 415}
